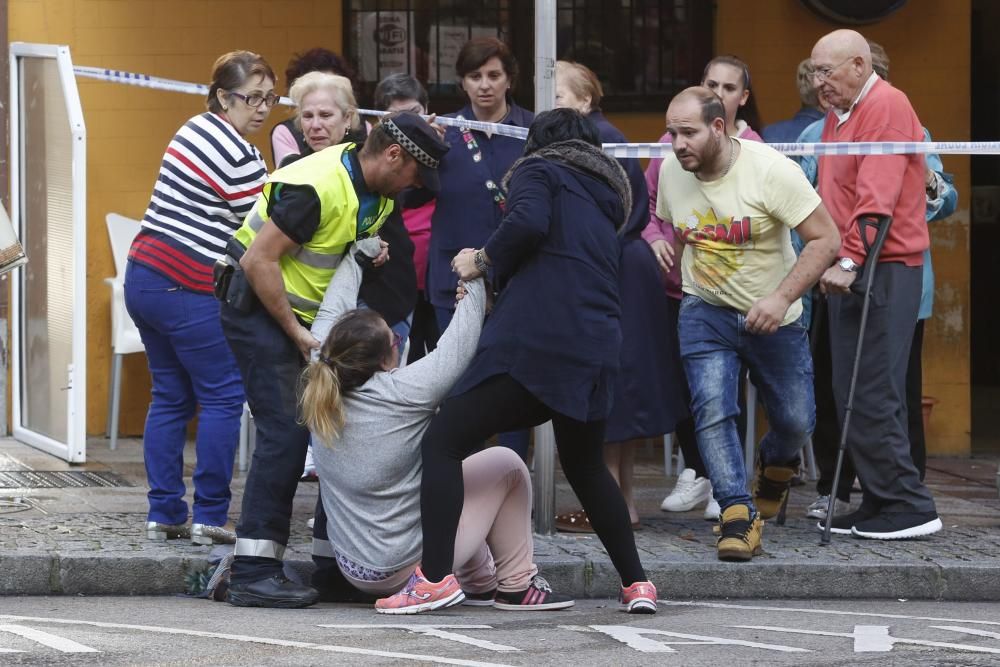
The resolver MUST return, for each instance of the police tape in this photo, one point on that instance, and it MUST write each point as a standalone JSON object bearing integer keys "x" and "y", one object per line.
{"x": 629, "y": 150}
{"x": 818, "y": 149}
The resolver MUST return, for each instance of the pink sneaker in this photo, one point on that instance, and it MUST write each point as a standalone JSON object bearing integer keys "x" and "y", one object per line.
{"x": 639, "y": 598}
{"x": 420, "y": 595}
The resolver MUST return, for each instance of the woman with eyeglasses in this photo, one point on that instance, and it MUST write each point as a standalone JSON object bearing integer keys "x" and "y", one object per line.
{"x": 209, "y": 180}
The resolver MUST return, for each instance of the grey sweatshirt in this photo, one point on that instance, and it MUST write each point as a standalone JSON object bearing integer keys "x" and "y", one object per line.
{"x": 370, "y": 475}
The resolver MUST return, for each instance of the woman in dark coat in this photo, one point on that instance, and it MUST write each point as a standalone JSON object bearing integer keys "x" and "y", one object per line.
{"x": 647, "y": 402}
{"x": 549, "y": 350}
{"x": 471, "y": 201}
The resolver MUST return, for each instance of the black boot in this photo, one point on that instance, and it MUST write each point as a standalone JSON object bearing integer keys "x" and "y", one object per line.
{"x": 278, "y": 591}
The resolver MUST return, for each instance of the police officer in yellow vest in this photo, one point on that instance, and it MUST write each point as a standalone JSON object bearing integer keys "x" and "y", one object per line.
{"x": 279, "y": 265}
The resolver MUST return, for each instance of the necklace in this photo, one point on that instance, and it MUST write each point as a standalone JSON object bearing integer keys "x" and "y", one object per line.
{"x": 732, "y": 156}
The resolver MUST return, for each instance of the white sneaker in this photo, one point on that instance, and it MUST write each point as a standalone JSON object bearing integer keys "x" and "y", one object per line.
{"x": 309, "y": 469}
{"x": 818, "y": 509}
{"x": 688, "y": 493}
{"x": 712, "y": 509}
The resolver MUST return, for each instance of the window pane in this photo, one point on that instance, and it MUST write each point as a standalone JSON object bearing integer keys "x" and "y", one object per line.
{"x": 47, "y": 286}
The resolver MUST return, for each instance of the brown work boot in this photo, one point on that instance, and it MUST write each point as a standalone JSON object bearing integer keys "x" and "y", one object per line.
{"x": 770, "y": 488}
{"x": 740, "y": 533}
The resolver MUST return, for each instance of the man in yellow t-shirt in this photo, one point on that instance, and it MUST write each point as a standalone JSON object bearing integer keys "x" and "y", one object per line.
{"x": 732, "y": 204}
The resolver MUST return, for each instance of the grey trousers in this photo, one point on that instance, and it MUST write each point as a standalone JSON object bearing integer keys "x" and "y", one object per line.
{"x": 877, "y": 438}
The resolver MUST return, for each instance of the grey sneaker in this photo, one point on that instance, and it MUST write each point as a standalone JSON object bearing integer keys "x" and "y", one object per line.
{"x": 818, "y": 509}
{"x": 204, "y": 534}
{"x": 167, "y": 531}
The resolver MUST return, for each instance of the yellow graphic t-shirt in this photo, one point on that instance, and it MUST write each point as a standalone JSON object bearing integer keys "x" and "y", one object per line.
{"x": 736, "y": 229}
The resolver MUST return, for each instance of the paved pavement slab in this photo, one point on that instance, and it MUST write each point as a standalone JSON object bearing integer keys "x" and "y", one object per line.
{"x": 91, "y": 541}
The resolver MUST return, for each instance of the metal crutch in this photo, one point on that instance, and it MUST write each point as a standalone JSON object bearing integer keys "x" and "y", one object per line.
{"x": 881, "y": 225}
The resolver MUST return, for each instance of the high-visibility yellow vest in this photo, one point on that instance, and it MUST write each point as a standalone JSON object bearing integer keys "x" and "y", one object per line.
{"x": 307, "y": 271}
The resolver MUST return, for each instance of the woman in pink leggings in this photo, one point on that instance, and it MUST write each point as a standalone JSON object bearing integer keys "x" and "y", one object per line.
{"x": 370, "y": 417}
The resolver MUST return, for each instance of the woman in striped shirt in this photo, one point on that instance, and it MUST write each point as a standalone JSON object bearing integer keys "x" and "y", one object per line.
{"x": 209, "y": 180}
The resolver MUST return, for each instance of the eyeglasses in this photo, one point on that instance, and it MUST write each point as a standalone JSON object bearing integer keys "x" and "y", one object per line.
{"x": 256, "y": 99}
{"x": 824, "y": 73}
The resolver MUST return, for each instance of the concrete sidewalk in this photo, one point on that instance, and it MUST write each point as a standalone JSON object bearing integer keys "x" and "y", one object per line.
{"x": 92, "y": 541}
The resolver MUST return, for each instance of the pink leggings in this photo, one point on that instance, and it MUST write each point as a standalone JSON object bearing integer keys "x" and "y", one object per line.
{"x": 493, "y": 547}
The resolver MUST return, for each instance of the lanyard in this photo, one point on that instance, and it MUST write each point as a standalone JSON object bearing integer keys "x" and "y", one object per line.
{"x": 499, "y": 196}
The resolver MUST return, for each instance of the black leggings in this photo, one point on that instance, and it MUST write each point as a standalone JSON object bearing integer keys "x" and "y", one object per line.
{"x": 502, "y": 404}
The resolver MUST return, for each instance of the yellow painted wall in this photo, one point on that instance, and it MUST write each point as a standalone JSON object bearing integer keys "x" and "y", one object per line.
{"x": 128, "y": 127}
{"x": 928, "y": 42}
{"x": 934, "y": 70}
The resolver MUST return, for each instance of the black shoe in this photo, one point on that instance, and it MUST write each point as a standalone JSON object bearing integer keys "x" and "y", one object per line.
{"x": 479, "y": 599}
{"x": 537, "y": 596}
{"x": 332, "y": 586}
{"x": 843, "y": 524}
{"x": 897, "y": 525}
{"x": 278, "y": 591}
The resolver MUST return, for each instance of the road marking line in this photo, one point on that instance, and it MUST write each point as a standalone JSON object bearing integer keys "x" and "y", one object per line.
{"x": 794, "y": 610}
{"x": 853, "y": 635}
{"x": 970, "y": 631}
{"x": 439, "y": 631}
{"x": 635, "y": 638}
{"x": 255, "y": 640}
{"x": 46, "y": 639}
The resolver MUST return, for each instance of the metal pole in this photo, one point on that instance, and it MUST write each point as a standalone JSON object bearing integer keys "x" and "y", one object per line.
{"x": 545, "y": 55}
{"x": 545, "y": 97}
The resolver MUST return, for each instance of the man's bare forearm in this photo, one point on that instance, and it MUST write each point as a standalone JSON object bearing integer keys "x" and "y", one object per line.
{"x": 816, "y": 257}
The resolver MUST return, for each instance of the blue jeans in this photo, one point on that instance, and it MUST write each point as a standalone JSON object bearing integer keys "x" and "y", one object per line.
{"x": 714, "y": 343}
{"x": 191, "y": 365}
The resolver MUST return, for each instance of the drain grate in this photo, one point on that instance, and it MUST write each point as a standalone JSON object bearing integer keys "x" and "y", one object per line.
{"x": 59, "y": 479}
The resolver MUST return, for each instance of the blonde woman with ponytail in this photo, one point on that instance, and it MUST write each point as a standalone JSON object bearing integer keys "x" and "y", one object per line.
{"x": 368, "y": 418}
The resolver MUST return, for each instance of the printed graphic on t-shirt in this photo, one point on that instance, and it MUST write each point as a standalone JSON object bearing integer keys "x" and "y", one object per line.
{"x": 718, "y": 246}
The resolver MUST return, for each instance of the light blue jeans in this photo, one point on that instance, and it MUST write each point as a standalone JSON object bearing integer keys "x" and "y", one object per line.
{"x": 714, "y": 344}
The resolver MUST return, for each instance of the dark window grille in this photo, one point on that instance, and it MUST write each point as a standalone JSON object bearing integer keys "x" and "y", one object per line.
{"x": 643, "y": 51}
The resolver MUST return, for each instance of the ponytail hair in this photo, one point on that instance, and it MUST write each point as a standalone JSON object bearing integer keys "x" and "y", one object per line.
{"x": 352, "y": 353}
{"x": 748, "y": 112}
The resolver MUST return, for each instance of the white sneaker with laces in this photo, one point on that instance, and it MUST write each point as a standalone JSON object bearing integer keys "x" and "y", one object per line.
{"x": 688, "y": 493}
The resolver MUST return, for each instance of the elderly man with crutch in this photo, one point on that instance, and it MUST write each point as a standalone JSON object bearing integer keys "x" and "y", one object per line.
{"x": 871, "y": 328}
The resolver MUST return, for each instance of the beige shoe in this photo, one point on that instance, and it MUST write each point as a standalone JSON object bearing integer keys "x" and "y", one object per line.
{"x": 205, "y": 535}
{"x": 770, "y": 489}
{"x": 166, "y": 531}
{"x": 740, "y": 534}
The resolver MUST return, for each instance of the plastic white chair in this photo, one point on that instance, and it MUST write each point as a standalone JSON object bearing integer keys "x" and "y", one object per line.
{"x": 124, "y": 336}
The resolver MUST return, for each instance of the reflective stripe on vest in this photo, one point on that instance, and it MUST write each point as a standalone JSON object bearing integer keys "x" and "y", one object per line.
{"x": 307, "y": 271}
{"x": 259, "y": 548}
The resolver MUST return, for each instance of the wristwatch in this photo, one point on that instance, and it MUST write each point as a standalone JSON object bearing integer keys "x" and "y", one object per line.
{"x": 848, "y": 264}
{"x": 479, "y": 258}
